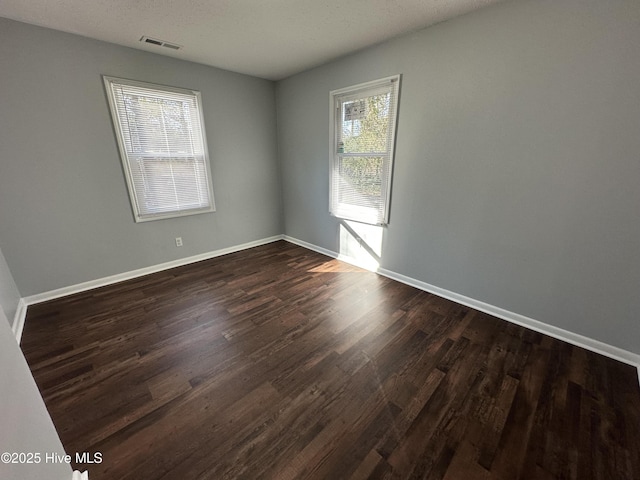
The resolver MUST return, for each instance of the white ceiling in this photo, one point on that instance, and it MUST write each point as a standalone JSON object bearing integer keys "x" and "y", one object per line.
{"x": 266, "y": 38}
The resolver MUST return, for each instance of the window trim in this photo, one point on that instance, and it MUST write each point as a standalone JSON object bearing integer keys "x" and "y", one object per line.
{"x": 355, "y": 90}
{"x": 137, "y": 215}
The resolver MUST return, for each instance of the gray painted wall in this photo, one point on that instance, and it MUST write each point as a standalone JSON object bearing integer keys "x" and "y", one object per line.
{"x": 515, "y": 179}
{"x": 9, "y": 294}
{"x": 517, "y": 175}
{"x": 65, "y": 215}
{"x": 25, "y": 423}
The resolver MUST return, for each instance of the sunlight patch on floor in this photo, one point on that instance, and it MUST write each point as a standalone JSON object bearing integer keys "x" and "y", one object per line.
{"x": 335, "y": 266}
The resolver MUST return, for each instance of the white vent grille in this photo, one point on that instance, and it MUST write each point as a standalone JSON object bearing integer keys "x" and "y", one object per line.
{"x": 160, "y": 43}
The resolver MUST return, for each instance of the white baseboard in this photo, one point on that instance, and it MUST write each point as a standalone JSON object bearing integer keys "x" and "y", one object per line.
{"x": 18, "y": 320}
{"x": 536, "y": 325}
{"x": 328, "y": 253}
{"x": 527, "y": 322}
{"x": 120, "y": 277}
{"x": 311, "y": 246}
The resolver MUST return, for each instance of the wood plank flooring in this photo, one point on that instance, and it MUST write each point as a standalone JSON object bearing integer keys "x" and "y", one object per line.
{"x": 280, "y": 363}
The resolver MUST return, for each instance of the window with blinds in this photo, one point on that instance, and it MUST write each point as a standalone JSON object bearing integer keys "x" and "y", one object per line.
{"x": 160, "y": 134}
{"x": 363, "y": 135}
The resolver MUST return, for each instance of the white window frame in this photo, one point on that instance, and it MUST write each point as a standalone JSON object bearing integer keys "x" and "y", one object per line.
{"x": 118, "y": 128}
{"x": 335, "y": 97}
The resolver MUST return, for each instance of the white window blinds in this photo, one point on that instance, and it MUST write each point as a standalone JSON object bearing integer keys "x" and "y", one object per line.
{"x": 364, "y": 125}
{"x": 162, "y": 144}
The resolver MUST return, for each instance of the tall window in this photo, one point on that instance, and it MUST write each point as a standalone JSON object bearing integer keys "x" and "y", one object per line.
{"x": 363, "y": 134}
{"x": 160, "y": 134}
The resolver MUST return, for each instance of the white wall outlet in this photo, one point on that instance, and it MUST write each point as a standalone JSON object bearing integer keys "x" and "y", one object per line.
{"x": 178, "y": 241}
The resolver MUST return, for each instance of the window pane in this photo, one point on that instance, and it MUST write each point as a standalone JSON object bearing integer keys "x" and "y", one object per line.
{"x": 365, "y": 124}
{"x": 159, "y": 126}
{"x": 361, "y": 181}
{"x": 170, "y": 184}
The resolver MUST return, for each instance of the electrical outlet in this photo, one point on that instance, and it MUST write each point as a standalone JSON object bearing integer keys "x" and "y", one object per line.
{"x": 178, "y": 241}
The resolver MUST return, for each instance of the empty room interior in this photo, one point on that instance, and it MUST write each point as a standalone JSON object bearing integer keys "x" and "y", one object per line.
{"x": 320, "y": 240}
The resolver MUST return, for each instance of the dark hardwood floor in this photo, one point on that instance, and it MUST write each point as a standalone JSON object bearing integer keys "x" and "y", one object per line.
{"x": 280, "y": 363}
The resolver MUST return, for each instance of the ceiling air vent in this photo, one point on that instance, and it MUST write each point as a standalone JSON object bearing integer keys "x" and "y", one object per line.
{"x": 160, "y": 43}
